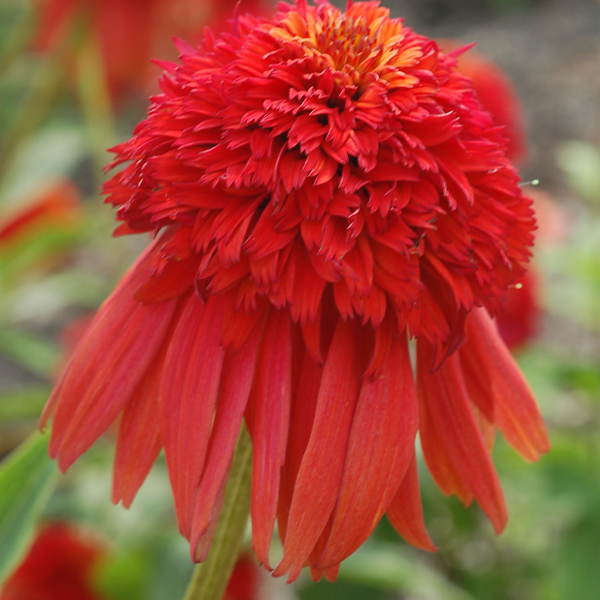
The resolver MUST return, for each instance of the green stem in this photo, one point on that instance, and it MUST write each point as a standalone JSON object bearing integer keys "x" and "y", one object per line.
{"x": 210, "y": 577}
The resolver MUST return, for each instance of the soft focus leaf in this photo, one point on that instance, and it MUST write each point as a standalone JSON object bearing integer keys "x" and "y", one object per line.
{"x": 27, "y": 478}
{"x": 25, "y": 402}
{"x": 391, "y": 568}
{"x": 577, "y": 574}
{"x": 172, "y": 571}
{"x": 124, "y": 577}
{"x": 50, "y": 153}
{"x": 41, "y": 251}
{"x": 580, "y": 162}
{"x": 31, "y": 352}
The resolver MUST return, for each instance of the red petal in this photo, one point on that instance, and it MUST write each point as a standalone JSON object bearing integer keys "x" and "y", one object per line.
{"x": 320, "y": 473}
{"x": 451, "y": 438}
{"x": 380, "y": 447}
{"x": 271, "y": 400}
{"x": 405, "y": 511}
{"x": 330, "y": 574}
{"x": 138, "y": 443}
{"x": 304, "y": 404}
{"x": 311, "y": 334}
{"x": 237, "y": 378}
{"x": 188, "y": 395}
{"x": 106, "y": 366}
{"x": 176, "y": 278}
{"x": 493, "y": 378}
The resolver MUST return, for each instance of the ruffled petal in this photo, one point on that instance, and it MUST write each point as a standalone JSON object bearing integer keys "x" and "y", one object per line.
{"x": 498, "y": 388}
{"x": 452, "y": 443}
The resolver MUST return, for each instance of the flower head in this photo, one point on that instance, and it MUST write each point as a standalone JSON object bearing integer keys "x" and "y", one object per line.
{"x": 327, "y": 186}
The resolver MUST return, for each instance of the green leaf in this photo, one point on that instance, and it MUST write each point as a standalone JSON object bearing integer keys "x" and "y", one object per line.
{"x": 23, "y": 403}
{"x": 576, "y": 573}
{"x": 31, "y": 352}
{"x": 389, "y": 567}
{"x": 27, "y": 478}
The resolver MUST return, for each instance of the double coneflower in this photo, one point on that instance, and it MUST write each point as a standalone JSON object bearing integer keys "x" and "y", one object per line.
{"x": 324, "y": 187}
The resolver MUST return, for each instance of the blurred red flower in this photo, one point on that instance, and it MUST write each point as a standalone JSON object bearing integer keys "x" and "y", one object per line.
{"x": 132, "y": 32}
{"x": 328, "y": 186}
{"x": 497, "y": 95}
{"x": 244, "y": 581}
{"x": 57, "y": 206}
{"x": 519, "y": 321}
{"x": 58, "y": 566}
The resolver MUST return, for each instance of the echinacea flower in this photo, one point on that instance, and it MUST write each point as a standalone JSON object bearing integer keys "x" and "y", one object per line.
{"x": 58, "y": 566}
{"x": 323, "y": 186}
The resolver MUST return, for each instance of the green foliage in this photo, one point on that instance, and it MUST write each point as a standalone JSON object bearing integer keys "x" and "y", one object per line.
{"x": 580, "y": 161}
{"x": 27, "y": 478}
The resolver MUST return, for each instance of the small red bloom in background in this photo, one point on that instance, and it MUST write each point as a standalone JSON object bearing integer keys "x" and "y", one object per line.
{"x": 58, "y": 566}
{"x": 497, "y": 95}
{"x": 39, "y": 234}
{"x": 519, "y": 321}
{"x": 244, "y": 583}
{"x": 328, "y": 187}
{"x": 132, "y": 32}
{"x": 58, "y": 206}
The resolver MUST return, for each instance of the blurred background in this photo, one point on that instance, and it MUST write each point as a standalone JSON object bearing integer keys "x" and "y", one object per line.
{"x": 75, "y": 77}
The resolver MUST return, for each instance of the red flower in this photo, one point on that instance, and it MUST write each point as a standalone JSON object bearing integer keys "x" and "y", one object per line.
{"x": 519, "y": 322}
{"x": 244, "y": 581}
{"x": 131, "y": 32}
{"x": 328, "y": 186}
{"x": 58, "y": 566}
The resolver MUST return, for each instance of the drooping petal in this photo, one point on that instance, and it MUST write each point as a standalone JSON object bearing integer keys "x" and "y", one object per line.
{"x": 320, "y": 473}
{"x": 138, "y": 442}
{"x": 188, "y": 395}
{"x": 304, "y": 404}
{"x": 126, "y": 335}
{"x": 451, "y": 429}
{"x": 237, "y": 378}
{"x": 271, "y": 399}
{"x": 405, "y": 511}
{"x": 494, "y": 379}
{"x": 380, "y": 446}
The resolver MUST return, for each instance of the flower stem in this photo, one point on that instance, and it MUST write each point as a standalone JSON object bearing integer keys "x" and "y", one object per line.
{"x": 210, "y": 577}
